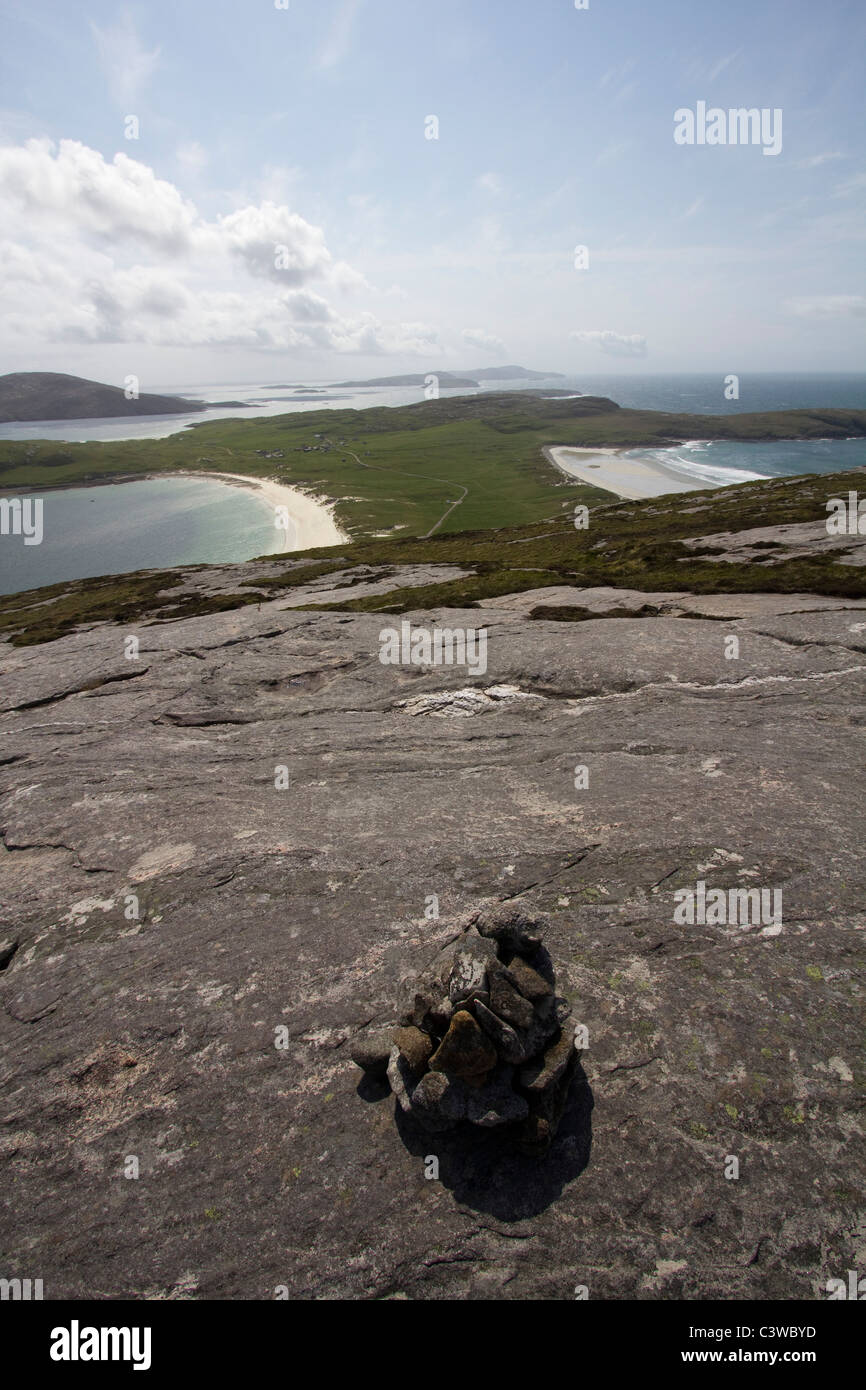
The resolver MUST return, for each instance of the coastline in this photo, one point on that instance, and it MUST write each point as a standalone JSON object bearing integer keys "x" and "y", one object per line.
{"x": 312, "y": 517}
{"x": 312, "y": 521}
{"x": 614, "y": 470}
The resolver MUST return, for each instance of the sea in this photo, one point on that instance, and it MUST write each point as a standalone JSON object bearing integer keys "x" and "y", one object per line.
{"x": 165, "y": 522}
{"x": 155, "y": 523}
{"x": 721, "y": 461}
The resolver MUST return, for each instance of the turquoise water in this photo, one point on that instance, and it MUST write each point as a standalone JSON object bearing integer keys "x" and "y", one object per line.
{"x": 152, "y": 524}
{"x": 164, "y": 522}
{"x": 723, "y": 462}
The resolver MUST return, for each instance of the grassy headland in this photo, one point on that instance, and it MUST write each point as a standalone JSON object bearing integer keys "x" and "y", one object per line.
{"x": 401, "y": 468}
{"x": 636, "y": 545}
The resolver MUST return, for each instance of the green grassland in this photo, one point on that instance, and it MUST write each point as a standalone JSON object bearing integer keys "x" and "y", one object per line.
{"x": 401, "y": 467}
{"x": 636, "y": 545}
{"x": 630, "y": 545}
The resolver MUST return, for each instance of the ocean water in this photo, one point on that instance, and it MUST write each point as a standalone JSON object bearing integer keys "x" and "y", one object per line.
{"x": 720, "y": 462}
{"x": 152, "y": 524}
{"x": 261, "y": 402}
{"x": 692, "y": 393}
{"x": 704, "y": 393}
{"x": 165, "y": 522}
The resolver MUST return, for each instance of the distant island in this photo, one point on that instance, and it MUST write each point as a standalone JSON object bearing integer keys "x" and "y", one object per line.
{"x": 58, "y": 396}
{"x": 510, "y": 373}
{"x": 412, "y": 379}
{"x": 26, "y": 396}
{"x": 513, "y": 374}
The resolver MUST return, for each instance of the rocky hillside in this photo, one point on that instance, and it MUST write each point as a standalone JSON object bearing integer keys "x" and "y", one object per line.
{"x": 221, "y": 856}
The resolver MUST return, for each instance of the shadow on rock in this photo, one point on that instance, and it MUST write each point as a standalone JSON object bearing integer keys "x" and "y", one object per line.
{"x": 373, "y": 1088}
{"x": 485, "y": 1171}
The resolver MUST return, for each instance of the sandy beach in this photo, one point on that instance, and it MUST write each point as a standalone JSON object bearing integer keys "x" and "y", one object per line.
{"x": 311, "y": 519}
{"x": 622, "y": 472}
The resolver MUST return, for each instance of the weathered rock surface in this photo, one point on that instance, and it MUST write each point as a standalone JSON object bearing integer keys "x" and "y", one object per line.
{"x": 371, "y": 1050}
{"x": 415, "y": 1046}
{"x": 548, "y": 1094}
{"x": 528, "y": 981}
{"x": 512, "y": 929}
{"x": 541, "y": 1075}
{"x": 440, "y": 1101}
{"x": 508, "y": 1003}
{"x": 674, "y": 603}
{"x": 464, "y": 1051}
{"x": 498, "y": 1104}
{"x": 505, "y": 1038}
{"x": 468, "y": 975}
{"x": 772, "y": 545}
{"x": 151, "y": 786}
{"x": 401, "y": 1078}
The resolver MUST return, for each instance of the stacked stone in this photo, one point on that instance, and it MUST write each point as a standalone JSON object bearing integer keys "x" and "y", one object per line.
{"x": 483, "y": 1037}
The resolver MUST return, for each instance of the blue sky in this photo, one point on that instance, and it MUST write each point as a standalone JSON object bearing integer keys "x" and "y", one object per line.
{"x": 300, "y": 132}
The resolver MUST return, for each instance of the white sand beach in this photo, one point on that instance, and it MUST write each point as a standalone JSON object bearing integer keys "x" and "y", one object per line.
{"x": 622, "y": 472}
{"x": 311, "y": 519}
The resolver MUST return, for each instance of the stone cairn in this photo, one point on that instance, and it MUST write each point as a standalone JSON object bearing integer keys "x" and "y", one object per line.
{"x": 483, "y": 1038}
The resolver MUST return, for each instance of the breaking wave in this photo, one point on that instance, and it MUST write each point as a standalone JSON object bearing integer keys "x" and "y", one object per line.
{"x": 686, "y": 459}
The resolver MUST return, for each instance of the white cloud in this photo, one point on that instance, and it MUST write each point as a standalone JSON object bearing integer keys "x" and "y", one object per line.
{"x": 490, "y": 183}
{"x": 613, "y": 151}
{"x": 852, "y": 185}
{"x": 141, "y": 306}
{"x": 618, "y": 73}
{"x": 105, "y": 252}
{"x": 718, "y": 68}
{"x": 192, "y": 155}
{"x": 71, "y": 189}
{"x": 815, "y": 160}
{"x": 127, "y": 64}
{"x": 700, "y": 69}
{"x": 836, "y": 227}
{"x": 340, "y": 34}
{"x": 485, "y": 342}
{"x": 615, "y": 344}
{"x": 274, "y": 243}
{"x": 827, "y": 306}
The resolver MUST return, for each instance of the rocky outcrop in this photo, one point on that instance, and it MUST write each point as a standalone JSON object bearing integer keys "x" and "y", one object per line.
{"x": 482, "y": 1038}
{"x": 195, "y": 951}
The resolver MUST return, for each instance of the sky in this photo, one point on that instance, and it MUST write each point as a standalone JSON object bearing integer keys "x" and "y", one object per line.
{"x": 277, "y": 190}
